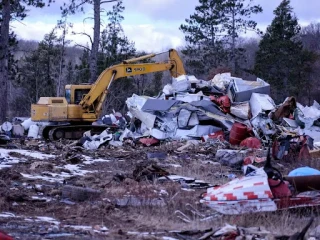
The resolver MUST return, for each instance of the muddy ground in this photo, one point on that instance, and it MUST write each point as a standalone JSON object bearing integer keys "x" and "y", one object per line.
{"x": 37, "y": 202}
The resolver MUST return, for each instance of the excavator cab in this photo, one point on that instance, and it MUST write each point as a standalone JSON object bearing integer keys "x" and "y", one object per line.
{"x": 75, "y": 93}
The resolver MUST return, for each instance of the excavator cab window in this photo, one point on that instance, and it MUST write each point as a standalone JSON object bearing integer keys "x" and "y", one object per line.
{"x": 68, "y": 95}
{"x": 79, "y": 94}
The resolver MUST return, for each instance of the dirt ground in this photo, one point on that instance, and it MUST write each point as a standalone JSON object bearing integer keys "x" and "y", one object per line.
{"x": 36, "y": 201}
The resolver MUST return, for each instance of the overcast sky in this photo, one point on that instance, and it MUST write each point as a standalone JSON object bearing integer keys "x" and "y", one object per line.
{"x": 152, "y": 24}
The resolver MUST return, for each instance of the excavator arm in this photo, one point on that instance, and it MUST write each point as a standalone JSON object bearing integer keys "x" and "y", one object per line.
{"x": 93, "y": 101}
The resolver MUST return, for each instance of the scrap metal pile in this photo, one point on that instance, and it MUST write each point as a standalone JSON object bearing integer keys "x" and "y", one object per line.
{"x": 226, "y": 109}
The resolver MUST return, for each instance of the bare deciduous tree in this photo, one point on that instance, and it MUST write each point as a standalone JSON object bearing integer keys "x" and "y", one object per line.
{"x": 72, "y": 8}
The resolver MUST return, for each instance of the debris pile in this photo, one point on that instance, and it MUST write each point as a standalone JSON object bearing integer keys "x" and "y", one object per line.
{"x": 226, "y": 109}
{"x": 161, "y": 156}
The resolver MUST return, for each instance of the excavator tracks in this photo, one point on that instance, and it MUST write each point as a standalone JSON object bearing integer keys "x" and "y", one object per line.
{"x": 71, "y": 132}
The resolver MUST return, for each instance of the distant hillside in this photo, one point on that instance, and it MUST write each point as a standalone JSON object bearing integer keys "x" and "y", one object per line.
{"x": 27, "y": 46}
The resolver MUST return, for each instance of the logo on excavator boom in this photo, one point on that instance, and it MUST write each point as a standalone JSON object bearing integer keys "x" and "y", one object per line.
{"x": 137, "y": 69}
{"x": 128, "y": 70}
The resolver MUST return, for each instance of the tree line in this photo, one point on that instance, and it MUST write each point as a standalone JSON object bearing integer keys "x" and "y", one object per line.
{"x": 286, "y": 55}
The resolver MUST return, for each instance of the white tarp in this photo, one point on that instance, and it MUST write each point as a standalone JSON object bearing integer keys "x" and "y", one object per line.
{"x": 222, "y": 80}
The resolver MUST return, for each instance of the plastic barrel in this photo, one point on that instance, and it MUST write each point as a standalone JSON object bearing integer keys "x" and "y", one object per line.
{"x": 33, "y": 131}
{"x": 238, "y": 133}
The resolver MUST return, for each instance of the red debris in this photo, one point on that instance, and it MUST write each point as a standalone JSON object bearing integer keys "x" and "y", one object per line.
{"x": 280, "y": 191}
{"x": 217, "y": 135}
{"x": 252, "y": 159}
{"x": 251, "y": 142}
{"x": 223, "y": 102}
{"x": 231, "y": 236}
{"x": 149, "y": 141}
{"x": 238, "y": 133}
{"x": 248, "y": 160}
{"x": 4, "y": 236}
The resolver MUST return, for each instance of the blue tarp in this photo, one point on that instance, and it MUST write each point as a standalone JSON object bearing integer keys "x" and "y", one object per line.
{"x": 304, "y": 171}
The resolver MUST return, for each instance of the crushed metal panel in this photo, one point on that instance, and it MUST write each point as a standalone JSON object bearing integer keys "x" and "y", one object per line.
{"x": 158, "y": 105}
{"x": 287, "y": 122}
{"x": 183, "y": 118}
{"x": 147, "y": 118}
{"x": 161, "y": 135}
{"x": 221, "y": 80}
{"x": 225, "y": 121}
{"x": 240, "y": 110}
{"x": 240, "y": 90}
{"x": 207, "y": 106}
{"x": 188, "y": 98}
{"x": 194, "y": 120}
{"x": 229, "y": 157}
{"x": 260, "y": 103}
{"x": 181, "y": 83}
{"x": 197, "y": 132}
{"x": 263, "y": 126}
{"x": 312, "y": 112}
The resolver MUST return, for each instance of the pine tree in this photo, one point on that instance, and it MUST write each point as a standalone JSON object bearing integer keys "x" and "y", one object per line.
{"x": 157, "y": 82}
{"x": 204, "y": 49}
{"x": 236, "y": 20}
{"x": 115, "y": 46}
{"x": 212, "y": 33}
{"x": 281, "y": 59}
{"x": 9, "y": 11}
{"x": 39, "y": 71}
{"x": 70, "y": 76}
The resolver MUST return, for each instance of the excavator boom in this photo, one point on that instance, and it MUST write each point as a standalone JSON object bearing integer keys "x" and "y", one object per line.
{"x": 126, "y": 69}
{"x": 71, "y": 116}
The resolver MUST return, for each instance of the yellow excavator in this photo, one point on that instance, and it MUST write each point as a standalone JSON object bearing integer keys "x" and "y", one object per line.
{"x": 72, "y": 115}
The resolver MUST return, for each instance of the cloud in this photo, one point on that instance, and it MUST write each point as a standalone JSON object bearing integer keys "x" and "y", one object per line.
{"x": 147, "y": 37}
{"x": 152, "y": 24}
{"x": 151, "y": 38}
{"x": 32, "y": 30}
{"x": 158, "y": 10}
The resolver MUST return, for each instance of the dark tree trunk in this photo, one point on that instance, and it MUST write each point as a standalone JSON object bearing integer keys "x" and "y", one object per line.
{"x": 4, "y": 45}
{"x": 96, "y": 39}
{"x": 233, "y": 47}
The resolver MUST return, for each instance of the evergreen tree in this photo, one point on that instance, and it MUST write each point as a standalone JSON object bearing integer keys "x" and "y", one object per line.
{"x": 82, "y": 70}
{"x": 157, "y": 82}
{"x": 39, "y": 71}
{"x": 9, "y": 10}
{"x": 310, "y": 37}
{"x": 281, "y": 59}
{"x": 70, "y": 76}
{"x": 204, "y": 49}
{"x": 212, "y": 33}
{"x": 236, "y": 20}
{"x": 115, "y": 46}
